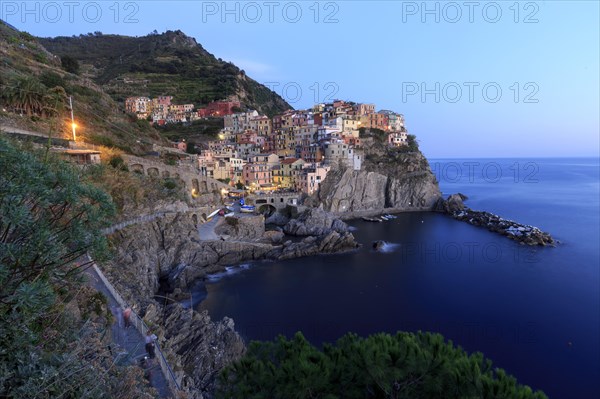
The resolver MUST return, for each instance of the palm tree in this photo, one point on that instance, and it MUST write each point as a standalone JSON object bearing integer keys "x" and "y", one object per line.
{"x": 24, "y": 94}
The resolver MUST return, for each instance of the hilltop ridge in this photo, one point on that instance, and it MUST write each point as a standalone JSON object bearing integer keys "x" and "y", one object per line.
{"x": 169, "y": 63}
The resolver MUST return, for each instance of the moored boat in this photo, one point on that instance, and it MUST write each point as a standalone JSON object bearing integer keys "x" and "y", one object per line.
{"x": 247, "y": 209}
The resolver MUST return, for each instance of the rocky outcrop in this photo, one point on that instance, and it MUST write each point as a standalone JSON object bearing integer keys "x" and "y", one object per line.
{"x": 396, "y": 181}
{"x": 378, "y": 245}
{"x": 453, "y": 203}
{"x": 333, "y": 242}
{"x": 248, "y": 227}
{"x": 197, "y": 348}
{"x": 314, "y": 222}
{"x": 521, "y": 233}
{"x": 168, "y": 251}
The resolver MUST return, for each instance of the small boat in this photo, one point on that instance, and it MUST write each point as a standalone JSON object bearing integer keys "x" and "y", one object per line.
{"x": 247, "y": 209}
{"x": 371, "y": 219}
{"x": 229, "y": 214}
{"x": 391, "y": 216}
{"x": 383, "y": 217}
{"x": 230, "y": 208}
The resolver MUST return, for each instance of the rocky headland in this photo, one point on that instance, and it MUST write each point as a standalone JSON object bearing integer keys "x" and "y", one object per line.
{"x": 524, "y": 234}
{"x": 390, "y": 181}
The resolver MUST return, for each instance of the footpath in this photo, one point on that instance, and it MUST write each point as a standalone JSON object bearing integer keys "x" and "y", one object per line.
{"x": 129, "y": 341}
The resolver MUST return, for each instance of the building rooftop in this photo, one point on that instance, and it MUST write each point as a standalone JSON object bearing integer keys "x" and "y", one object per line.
{"x": 77, "y": 152}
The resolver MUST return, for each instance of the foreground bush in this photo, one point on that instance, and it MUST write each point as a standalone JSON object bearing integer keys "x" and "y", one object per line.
{"x": 404, "y": 365}
{"x": 55, "y": 330}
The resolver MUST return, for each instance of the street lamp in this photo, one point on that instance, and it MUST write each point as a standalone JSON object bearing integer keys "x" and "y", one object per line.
{"x": 73, "y": 125}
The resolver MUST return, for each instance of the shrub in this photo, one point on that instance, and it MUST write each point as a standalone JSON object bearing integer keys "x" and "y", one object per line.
{"x": 404, "y": 365}
{"x": 52, "y": 79}
{"x": 170, "y": 184}
{"x": 70, "y": 64}
{"x": 117, "y": 162}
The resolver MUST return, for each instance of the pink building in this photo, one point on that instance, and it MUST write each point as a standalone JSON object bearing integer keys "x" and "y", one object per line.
{"x": 257, "y": 174}
{"x": 310, "y": 179}
{"x": 248, "y": 136}
{"x": 164, "y": 100}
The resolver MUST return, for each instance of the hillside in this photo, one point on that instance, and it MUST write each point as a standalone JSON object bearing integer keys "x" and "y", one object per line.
{"x": 35, "y": 87}
{"x": 163, "y": 64}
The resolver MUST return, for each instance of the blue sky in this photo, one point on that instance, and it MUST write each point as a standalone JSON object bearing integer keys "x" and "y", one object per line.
{"x": 473, "y": 79}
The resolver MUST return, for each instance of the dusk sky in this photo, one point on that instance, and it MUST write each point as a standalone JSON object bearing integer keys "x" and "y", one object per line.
{"x": 473, "y": 79}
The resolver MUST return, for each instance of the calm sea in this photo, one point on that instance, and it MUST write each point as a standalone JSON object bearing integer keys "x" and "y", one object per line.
{"x": 534, "y": 311}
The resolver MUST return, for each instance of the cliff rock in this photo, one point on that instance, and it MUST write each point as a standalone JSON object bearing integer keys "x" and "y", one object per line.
{"x": 197, "y": 347}
{"x": 314, "y": 222}
{"x": 452, "y": 204}
{"x": 330, "y": 243}
{"x": 248, "y": 227}
{"x": 398, "y": 181}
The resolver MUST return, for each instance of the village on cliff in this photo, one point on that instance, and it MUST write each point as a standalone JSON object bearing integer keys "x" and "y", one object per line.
{"x": 292, "y": 151}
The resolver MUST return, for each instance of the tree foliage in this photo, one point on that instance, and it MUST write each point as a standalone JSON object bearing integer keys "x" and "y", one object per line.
{"x": 28, "y": 95}
{"x": 48, "y": 219}
{"x": 404, "y": 365}
{"x": 70, "y": 64}
{"x": 52, "y": 342}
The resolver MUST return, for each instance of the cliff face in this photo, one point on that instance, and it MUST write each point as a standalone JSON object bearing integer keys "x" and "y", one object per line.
{"x": 168, "y": 251}
{"x": 389, "y": 180}
{"x": 166, "y": 254}
{"x": 198, "y": 348}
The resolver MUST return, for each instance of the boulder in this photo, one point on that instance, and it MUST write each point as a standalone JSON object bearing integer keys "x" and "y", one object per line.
{"x": 378, "y": 245}
{"x": 247, "y": 227}
{"x": 453, "y": 204}
{"x": 333, "y": 242}
{"x": 315, "y": 222}
{"x": 273, "y": 236}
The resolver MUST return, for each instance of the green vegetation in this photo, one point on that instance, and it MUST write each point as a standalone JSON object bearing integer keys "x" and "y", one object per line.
{"x": 170, "y": 184}
{"x": 33, "y": 82}
{"x": 163, "y": 64}
{"x": 53, "y": 340}
{"x": 70, "y": 64}
{"x": 404, "y": 365}
{"x": 26, "y": 94}
{"x": 130, "y": 190}
{"x": 198, "y": 131}
{"x": 378, "y": 135}
{"x": 117, "y": 162}
{"x": 413, "y": 145}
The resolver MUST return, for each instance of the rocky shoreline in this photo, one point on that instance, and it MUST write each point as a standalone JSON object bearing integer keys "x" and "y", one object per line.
{"x": 165, "y": 257}
{"x": 523, "y": 234}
